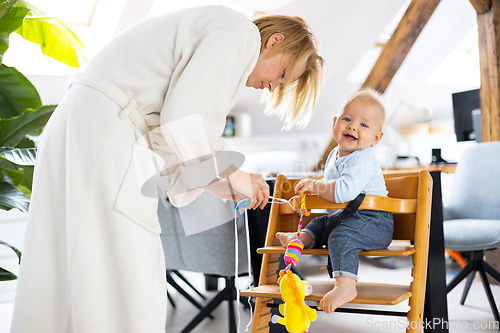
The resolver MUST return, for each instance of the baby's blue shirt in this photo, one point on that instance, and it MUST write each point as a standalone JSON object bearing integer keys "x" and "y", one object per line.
{"x": 358, "y": 172}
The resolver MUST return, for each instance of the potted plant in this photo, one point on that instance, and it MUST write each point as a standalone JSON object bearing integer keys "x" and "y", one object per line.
{"x": 22, "y": 115}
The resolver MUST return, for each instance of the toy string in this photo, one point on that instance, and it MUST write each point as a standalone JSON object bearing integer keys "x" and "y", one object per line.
{"x": 236, "y": 261}
{"x": 280, "y": 201}
{"x": 240, "y": 205}
{"x": 243, "y": 203}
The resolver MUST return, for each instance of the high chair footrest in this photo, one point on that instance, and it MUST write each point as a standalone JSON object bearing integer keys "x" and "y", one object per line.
{"x": 391, "y": 251}
{"x": 368, "y": 293}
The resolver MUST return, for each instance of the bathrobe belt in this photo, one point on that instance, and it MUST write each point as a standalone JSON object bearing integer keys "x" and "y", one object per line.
{"x": 129, "y": 106}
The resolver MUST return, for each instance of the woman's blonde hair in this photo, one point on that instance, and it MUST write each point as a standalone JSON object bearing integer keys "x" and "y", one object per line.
{"x": 295, "y": 100}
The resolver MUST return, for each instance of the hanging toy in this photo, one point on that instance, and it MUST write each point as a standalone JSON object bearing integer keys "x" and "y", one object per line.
{"x": 303, "y": 210}
{"x": 293, "y": 252}
{"x": 295, "y": 247}
{"x": 297, "y": 315}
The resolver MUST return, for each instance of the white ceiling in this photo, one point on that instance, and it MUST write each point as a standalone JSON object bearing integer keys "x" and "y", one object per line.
{"x": 347, "y": 31}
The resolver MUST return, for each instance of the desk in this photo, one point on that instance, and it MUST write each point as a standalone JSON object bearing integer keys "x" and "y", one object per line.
{"x": 446, "y": 168}
{"x": 435, "y": 296}
{"x": 436, "y": 304}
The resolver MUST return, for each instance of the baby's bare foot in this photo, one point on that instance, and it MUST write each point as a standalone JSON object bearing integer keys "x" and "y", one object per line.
{"x": 286, "y": 237}
{"x": 343, "y": 292}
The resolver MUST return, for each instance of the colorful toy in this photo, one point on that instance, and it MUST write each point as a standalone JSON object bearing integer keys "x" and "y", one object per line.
{"x": 297, "y": 315}
{"x": 294, "y": 248}
{"x": 293, "y": 252}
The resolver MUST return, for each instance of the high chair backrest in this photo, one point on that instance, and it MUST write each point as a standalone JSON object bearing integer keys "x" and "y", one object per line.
{"x": 403, "y": 189}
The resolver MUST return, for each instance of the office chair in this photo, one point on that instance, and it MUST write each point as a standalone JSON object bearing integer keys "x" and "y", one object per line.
{"x": 472, "y": 215}
{"x": 211, "y": 252}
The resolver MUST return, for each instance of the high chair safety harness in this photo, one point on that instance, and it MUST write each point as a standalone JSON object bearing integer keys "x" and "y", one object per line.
{"x": 334, "y": 221}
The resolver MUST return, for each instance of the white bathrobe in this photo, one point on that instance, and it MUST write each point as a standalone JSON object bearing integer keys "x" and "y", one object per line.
{"x": 93, "y": 260}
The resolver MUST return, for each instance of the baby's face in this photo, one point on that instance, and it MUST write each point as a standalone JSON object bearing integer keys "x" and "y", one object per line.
{"x": 358, "y": 127}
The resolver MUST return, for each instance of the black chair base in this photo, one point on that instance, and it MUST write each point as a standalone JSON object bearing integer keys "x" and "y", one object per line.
{"x": 477, "y": 264}
{"x": 173, "y": 283}
{"x": 226, "y": 294}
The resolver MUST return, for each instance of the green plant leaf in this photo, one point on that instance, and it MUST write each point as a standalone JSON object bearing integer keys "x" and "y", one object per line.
{"x": 10, "y": 21}
{"x": 16, "y": 93}
{"x": 13, "y": 130}
{"x": 27, "y": 142}
{"x": 13, "y": 248}
{"x": 25, "y": 4}
{"x": 12, "y": 197}
{"x": 5, "y": 5}
{"x": 24, "y": 156}
{"x": 55, "y": 39}
{"x": 6, "y": 164}
{"x": 26, "y": 191}
{"x": 13, "y": 177}
{"x": 5, "y": 275}
{"x": 27, "y": 181}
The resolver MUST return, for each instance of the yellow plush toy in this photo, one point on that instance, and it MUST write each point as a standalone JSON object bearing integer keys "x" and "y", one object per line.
{"x": 297, "y": 316}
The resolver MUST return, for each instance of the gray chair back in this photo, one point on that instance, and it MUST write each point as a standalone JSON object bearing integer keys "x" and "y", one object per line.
{"x": 476, "y": 188}
{"x": 211, "y": 251}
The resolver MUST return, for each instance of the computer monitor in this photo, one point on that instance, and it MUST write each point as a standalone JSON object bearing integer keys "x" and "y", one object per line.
{"x": 466, "y": 110}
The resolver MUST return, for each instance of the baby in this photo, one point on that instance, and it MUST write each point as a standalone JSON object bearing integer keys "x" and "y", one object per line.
{"x": 351, "y": 168}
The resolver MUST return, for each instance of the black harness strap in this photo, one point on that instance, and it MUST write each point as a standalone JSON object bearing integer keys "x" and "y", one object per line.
{"x": 334, "y": 221}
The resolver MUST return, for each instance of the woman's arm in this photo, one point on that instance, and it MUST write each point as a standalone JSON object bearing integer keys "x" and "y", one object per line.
{"x": 237, "y": 185}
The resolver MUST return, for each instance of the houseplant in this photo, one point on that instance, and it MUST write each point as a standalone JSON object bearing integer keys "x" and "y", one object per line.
{"x": 22, "y": 115}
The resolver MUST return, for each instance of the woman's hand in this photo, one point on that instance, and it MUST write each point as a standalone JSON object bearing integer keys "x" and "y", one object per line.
{"x": 305, "y": 185}
{"x": 260, "y": 191}
{"x": 238, "y": 185}
{"x": 250, "y": 185}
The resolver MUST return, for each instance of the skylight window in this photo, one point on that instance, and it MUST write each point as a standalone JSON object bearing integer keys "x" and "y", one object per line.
{"x": 70, "y": 12}
{"x": 461, "y": 66}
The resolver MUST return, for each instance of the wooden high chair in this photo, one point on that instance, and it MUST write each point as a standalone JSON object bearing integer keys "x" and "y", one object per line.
{"x": 409, "y": 200}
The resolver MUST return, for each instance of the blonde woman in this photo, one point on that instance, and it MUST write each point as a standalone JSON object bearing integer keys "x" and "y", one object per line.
{"x": 148, "y": 110}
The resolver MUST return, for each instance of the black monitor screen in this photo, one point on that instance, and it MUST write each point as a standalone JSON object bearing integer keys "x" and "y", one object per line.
{"x": 463, "y": 104}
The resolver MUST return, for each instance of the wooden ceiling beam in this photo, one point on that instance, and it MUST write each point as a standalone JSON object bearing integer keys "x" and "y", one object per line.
{"x": 489, "y": 61}
{"x": 412, "y": 23}
{"x": 397, "y": 48}
{"x": 481, "y": 6}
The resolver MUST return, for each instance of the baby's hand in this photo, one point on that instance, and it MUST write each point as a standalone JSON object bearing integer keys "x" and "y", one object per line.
{"x": 305, "y": 185}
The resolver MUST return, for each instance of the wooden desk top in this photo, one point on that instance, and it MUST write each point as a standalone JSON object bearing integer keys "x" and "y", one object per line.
{"x": 446, "y": 168}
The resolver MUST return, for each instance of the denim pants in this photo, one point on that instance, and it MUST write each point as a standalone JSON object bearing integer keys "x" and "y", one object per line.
{"x": 362, "y": 231}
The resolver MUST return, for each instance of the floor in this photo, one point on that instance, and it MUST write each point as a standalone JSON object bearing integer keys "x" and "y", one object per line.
{"x": 474, "y": 316}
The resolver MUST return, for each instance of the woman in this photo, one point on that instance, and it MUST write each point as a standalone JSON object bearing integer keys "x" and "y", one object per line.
{"x": 148, "y": 110}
